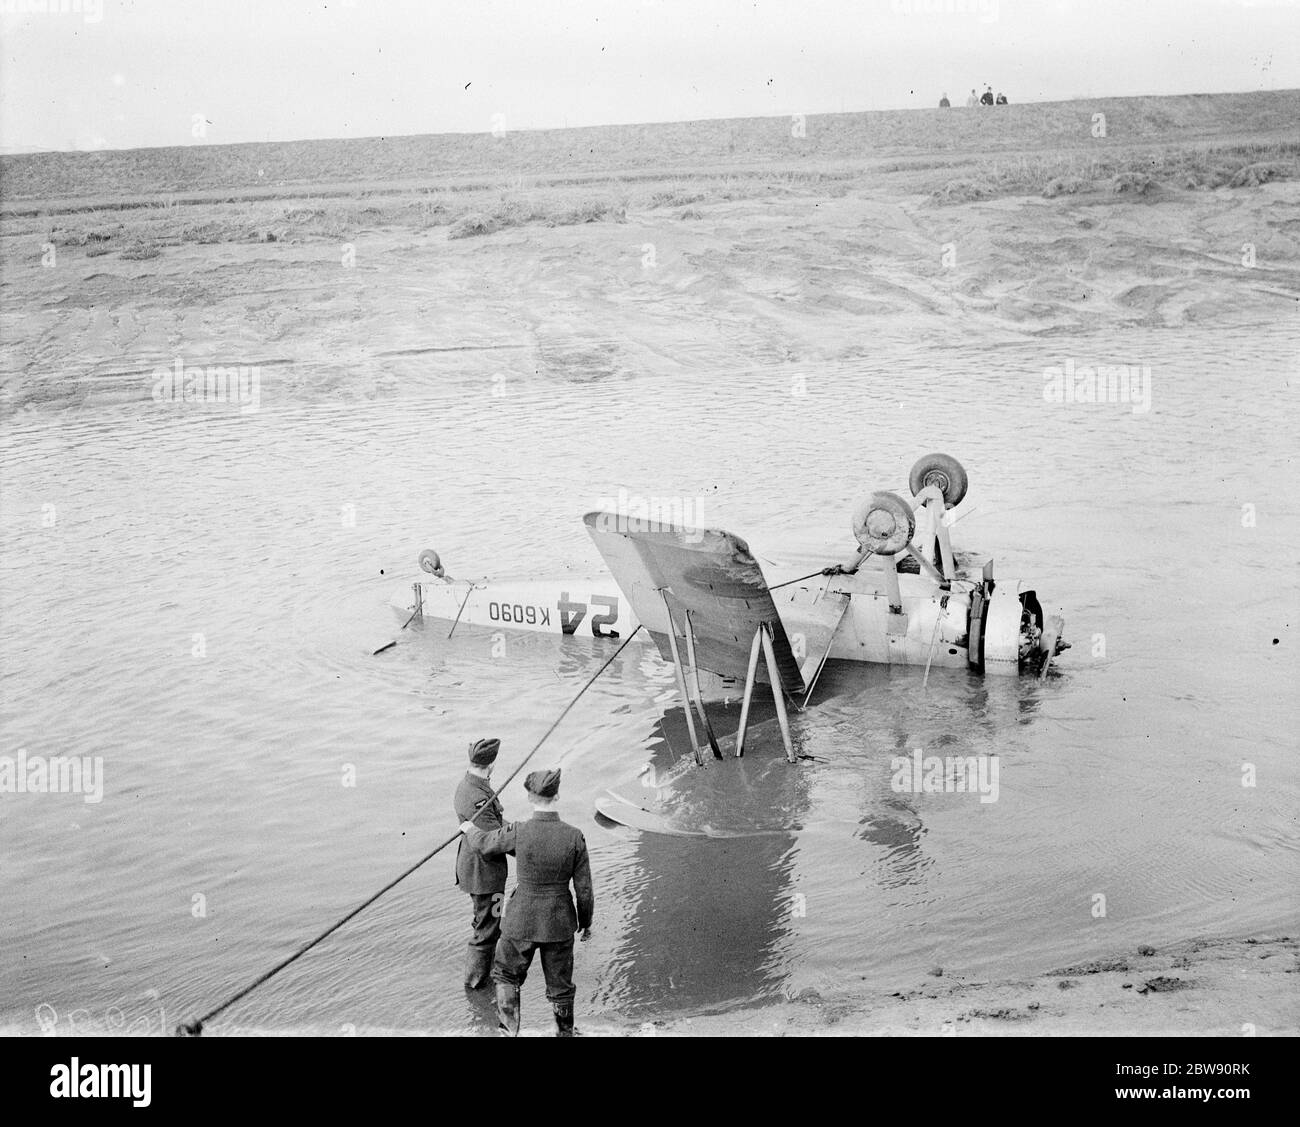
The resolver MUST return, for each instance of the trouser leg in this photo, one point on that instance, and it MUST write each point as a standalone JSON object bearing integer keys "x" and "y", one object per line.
{"x": 486, "y": 922}
{"x": 513, "y": 958}
{"x": 509, "y": 969}
{"x": 483, "y": 939}
{"x": 557, "y": 965}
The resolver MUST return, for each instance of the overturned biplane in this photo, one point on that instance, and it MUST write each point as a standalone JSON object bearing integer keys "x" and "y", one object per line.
{"x": 710, "y": 604}
{"x": 705, "y": 600}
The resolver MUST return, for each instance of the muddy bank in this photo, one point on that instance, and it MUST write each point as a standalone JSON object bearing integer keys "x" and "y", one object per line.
{"x": 792, "y": 284}
{"x": 1200, "y": 987}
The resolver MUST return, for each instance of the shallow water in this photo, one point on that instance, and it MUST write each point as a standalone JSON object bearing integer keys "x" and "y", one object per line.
{"x": 264, "y": 533}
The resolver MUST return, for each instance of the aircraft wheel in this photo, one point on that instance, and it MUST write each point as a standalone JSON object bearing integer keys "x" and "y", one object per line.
{"x": 884, "y": 522}
{"x": 430, "y": 562}
{"x": 941, "y": 470}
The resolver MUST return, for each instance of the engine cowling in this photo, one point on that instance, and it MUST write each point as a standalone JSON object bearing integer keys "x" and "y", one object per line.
{"x": 1013, "y": 628}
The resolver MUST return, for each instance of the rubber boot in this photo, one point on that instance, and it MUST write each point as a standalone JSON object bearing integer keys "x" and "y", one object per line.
{"x": 563, "y": 1018}
{"x": 478, "y": 965}
{"x": 508, "y": 1009}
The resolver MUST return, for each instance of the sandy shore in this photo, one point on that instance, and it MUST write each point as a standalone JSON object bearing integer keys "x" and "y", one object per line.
{"x": 1240, "y": 987}
{"x": 1201, "y": 987}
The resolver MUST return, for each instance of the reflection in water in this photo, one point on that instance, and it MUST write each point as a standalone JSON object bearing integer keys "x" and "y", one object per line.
{"x": 739, "y": 911}
{"x": 709, "y": 923}
{"x": 710, "y": 918}
{"x": 897, "y": 830}
{"x": 481, "y": 1011}
{"x": 719, "y": 916}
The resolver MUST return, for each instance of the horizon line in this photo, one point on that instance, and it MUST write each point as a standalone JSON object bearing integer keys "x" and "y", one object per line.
{"x": 21, "y": 151}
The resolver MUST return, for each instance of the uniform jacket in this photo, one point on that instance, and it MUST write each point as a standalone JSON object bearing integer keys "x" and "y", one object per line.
{"x": 548, "y": 854}
{"x": 475, "y": 873}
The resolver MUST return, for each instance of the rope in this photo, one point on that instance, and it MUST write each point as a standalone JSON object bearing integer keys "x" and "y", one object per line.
{"x": 194, "y": 1028}
{"x": 778, "y": 586}
{"x": 835, "y": 569}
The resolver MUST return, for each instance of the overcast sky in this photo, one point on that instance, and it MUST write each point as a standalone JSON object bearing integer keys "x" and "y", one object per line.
{"x": 127, "y": 73}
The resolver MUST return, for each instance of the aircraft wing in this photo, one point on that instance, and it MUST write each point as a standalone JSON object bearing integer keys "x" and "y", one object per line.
{"x": 707, "y": 572}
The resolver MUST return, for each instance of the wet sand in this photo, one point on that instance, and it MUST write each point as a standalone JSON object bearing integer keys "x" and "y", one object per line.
{"x": 792, "y": 277}
{"x": 1199, "y": 988}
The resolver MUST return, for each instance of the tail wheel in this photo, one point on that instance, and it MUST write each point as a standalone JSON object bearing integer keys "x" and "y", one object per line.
{"x": 430, "y": 562}
{"x": 941, "y": 470}
{"x": 884, "y": 522}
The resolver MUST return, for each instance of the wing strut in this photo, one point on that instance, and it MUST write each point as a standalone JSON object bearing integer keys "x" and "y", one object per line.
{"x": 763, "y": 640}
{"x": 690, "y": 702}
{"x": 681, "y": 681}
{"x": 830, "y": 642}
{"x": 695, "y": 683}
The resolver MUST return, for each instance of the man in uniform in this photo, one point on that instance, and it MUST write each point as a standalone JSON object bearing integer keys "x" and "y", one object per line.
{"x": 540, "y": 915}
{"x": 484, "y": 878}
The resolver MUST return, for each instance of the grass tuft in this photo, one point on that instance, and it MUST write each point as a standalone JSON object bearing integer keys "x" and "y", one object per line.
{"x": 141, "y": 250}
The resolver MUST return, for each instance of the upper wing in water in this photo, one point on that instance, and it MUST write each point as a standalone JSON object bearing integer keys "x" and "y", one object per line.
{"x": 706, "y": 572}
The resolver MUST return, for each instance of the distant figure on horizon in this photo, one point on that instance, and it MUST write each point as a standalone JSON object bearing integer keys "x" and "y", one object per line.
{"x": 987, "y": 97}
{"x": 944, "y": 103}
{"x": 973, "y": 100}
{"x": 1002, "y": 100}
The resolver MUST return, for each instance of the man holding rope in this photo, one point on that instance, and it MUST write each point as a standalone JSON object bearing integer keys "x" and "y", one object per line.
{"x": 484, "y": 878}
{"x": 540, "y": 915}
{"x": 581, "y": 880}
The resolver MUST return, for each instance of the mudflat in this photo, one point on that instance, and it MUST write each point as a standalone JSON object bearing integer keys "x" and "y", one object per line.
{"x": 1198, "y": 988}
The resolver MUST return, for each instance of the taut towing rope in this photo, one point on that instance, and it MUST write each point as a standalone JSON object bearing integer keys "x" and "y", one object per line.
{"x": 195, "y": 1028}
{"x": 833, "y": 569}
